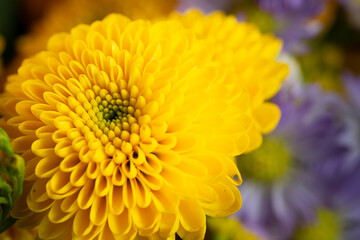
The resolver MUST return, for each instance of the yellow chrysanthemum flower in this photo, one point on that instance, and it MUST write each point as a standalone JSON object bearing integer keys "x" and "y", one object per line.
{"x": 249, "y": 56}
{"x": 15, "y": 233}
{"x": 128, "y": 130}
{"x": 69, "y": 13}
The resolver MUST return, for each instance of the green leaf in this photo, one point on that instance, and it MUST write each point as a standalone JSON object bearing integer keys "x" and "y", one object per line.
{"x": 7, "y": 224}
{"x": 5, "y": 144}
{"x": 12, "y": 170}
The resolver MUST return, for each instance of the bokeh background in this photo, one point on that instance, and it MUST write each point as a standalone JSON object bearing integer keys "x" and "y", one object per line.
{"x": 303, "y": 182}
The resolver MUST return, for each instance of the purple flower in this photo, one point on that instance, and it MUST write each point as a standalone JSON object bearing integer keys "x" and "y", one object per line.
{"x": 292, "y": 21}
{"x": 346, "y": 204}
{"x": 282, "y": 181}
{"x": 293, "y": 8}
{"x": 340, "y": 219}
{"x": 352, "y": 88}
{"x": 351, "y": 136}
{"x": 338, "y": 169}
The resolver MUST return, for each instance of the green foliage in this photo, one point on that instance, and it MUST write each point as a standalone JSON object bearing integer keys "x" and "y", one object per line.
{"x": 12, "y": 169}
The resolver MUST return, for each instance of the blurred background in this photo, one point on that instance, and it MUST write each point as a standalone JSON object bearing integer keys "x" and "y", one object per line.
{"x": 303, "y": 182}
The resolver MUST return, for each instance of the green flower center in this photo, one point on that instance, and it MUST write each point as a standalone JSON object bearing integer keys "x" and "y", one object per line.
{"x": 327, "y": 227}
{"x": 270, "y": 162}
{"x": 114, "y": 111}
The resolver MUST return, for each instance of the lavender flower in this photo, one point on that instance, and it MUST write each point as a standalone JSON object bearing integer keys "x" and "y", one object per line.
{"x": 292, "y": 21}
{"x": 340, "y": 219}
{"x": 351, "y": 137}
{"x": 281, "y": 184}
{"x": 295, "y": 8}
{"x": 347, "y": 206}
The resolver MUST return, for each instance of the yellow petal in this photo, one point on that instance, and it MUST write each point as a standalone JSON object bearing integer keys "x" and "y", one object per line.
{"x": 47, "y": 230}
{"x": 145, "y": 218}
{"x": 38, "y": 191}
{"x": 120, "y": 223}
{"x": 82, "y": 224}
{"x": 69, "y": 204}
{"x": 29, "y": 127}
{"x": 78, "y": 177}
{"x": 99, "y": 211}
{"x": 129, "y": 196}
{"x": 191, "y": 215}
{"x": 154, "y": 182}
{"x": 229, "y": 200}
{"x": 118, "y": 177}
{"x": 102, "y": 186}
{"x": 165, "y": 199}
{"x": 47, "y": 166}
{"x": 59, "y": 183}
{"x": 192, "y": 167}
{"x": 142, "y": 192}
{"x": 70, "y": 162}
{"x": 116, "y": 202}
{"x": 86, "y": 195}
{"x": 152, "y": 165}
{"x": 267, "y": 115}
{"x": 22, "y": 144}
{"x": 185, "y": 142}
{"x": 40, "y": 206}
{"x": 196, "y": 235}
{"x": 171, "y": 157}
{"x": 169, "y": 224}
{"x": 56, "y": 215}
{"x": 177, "y": 179}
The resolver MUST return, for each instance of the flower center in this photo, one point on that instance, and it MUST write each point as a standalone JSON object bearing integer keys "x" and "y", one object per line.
{"x": 112, "y": 111}
{"x": 270, "y": 162}
{"x": 113, "y": 115}
{"x": 327, "y": 227}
